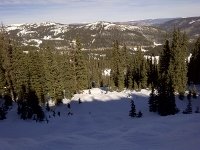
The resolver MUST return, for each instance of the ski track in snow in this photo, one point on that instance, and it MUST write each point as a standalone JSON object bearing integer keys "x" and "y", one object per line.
{"x": 101, "y": 122}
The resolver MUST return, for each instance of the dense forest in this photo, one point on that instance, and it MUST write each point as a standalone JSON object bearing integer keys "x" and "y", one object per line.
{"x": 32, "y": 76}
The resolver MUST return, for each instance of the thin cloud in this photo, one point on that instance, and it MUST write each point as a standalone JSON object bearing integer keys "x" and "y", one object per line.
{"x": 75, "y": 11}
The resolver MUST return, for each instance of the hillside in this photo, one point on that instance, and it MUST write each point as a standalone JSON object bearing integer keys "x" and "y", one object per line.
{"x": 97, "y": 35}
{"x": 101, "y": 122}
{"x": 189, "y": 25}
{"x": 100, "y": 35}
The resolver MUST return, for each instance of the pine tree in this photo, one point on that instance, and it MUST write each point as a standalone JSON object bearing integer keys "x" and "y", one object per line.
{"x": 139, "y": 115}
{"x": 152, "y": 72}
{"x": 117, "y": 71}
{"x": 153, "y": 104}
{"x": 194, "y": 72}
{"x": 166, "y": 97}
{"x": 178, "y": 66}
{"x": 7, "y": 49}
{"x": 67, "y": 75}
{"x": 132, "y": 112}
{"x": 28, "y": 105}
{"x": 20, "y": 69}
{"x": 36, "y": 74}
{"x": 53, "y": 77}
{"x": 81, "y": 77}
{"x": 165, "y": 58}
{"x": 125, "y": 56}
{"x": 139, "y": 70}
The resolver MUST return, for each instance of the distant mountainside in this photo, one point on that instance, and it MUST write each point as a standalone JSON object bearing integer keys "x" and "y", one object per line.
{"x": 149, "y": 22}
{"x": 95, "y": 35}
{"x": 189, "y": 25}
{"x": 100, "y": 35}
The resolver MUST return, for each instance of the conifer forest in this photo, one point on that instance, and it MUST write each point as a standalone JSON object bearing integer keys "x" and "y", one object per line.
{"x": 32, "y": 76}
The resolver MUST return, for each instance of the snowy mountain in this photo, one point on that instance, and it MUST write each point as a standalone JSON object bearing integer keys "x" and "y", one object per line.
{"x": 149, "y": 22}
{"x": 101, "y": 122}
{"x": 95, "y": 35}
{"x": 100, "y": 35}
{"x": 189, "y": 25}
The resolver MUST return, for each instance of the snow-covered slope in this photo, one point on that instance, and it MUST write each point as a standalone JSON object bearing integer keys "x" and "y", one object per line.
{"x": 95, "y": 35}
{"x": 101, "y": 122}
{"x": 190, "y": 25}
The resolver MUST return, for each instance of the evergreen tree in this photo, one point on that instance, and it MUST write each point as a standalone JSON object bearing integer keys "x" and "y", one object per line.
{"x": 178, "y": 67}
{"x": 132, "y": 112}
{"x": 2, "y": 69}
{"x": 194, "y": 72}
{"x": 53, "y": 77}
{"x": 165, "y": 58}
{"x": 117, "y": 71}
{"x": 28, "y": 105}
{"x": 81, "y": 77}
{"x": 20, "y": 69}
{"x": 67, "y": 75}
{"x": 139, "y": 70}
{"x": 152, "y": 72}
{"x": 153, "y": 104}
{"x": 7, "y": 49}
{"x": 139, "y": 115}
{"x": 166, "y": 97}
{"x": 36, "y": 75}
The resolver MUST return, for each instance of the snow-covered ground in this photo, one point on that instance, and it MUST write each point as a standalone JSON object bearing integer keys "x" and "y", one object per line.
{"x": 101, "y": 122}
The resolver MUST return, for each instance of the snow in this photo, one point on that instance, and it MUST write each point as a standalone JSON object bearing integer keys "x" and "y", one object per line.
{"x": 143, "y": 50}
{"x": 93, "y": 35}
{"x": 153, "y": 58}
{"x": 106, "y": 72}
{"x": 189, "y": 57}
{"x": 109, "y": 26}
{"x": 101, "y": 122}
{"x": 47, "y": 37}
{"x": 93, "y": 26}
{"x": 156, "y": 44}
{"x": 37, "y": 41}
{"x": 13, "y": 27}
{"x": 93, "y": 40}
{"x": 191, "y": 22}
{"x": 25, "y": 52}
{"x": 50, "y": 38}
{"x": 129, "y": 27}
{"x": 48, "y": 24}
{"x": 24, "y": 32}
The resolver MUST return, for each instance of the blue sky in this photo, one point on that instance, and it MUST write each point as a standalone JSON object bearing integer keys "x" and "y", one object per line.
{"x": 79, "y": 11}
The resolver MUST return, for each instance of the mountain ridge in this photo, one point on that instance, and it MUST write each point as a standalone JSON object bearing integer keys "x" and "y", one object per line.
{"x": 100, "y": 34}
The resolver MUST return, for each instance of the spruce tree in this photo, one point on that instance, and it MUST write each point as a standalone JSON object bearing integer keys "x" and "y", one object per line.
{"x": 166, "y": 97}
{"x": 153, "y": 104}
{"x": 67, "y": 75}
{"x": 139, "y": 70}
{"x": 117, "y": 71}
{"x": 53, "y": 78}
{"x": 178, "y": 66}
{"x": 132, "y": 112}
{"x": 194, "y": 63}
{"x": 36, "y": 74}
{"x": 81, "y": 77}
{"x": 7, "y": 50}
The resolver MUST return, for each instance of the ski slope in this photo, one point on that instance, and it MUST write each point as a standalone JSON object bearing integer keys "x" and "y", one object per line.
{"x": 101, "y": 122}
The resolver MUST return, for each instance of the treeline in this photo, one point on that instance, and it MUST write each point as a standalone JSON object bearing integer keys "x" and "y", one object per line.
{"x": 53, "y": 74}
{"x": 49, "y": 73}
{"x": 176, "y": 73}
